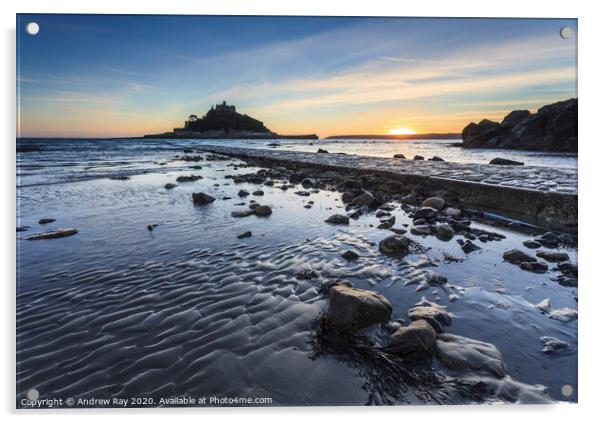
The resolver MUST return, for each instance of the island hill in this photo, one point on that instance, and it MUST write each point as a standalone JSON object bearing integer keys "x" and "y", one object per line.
{"x": 223, "y": 121}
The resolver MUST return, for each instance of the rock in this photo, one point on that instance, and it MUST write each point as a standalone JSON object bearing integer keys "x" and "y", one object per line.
{"x": 425, "y": 213}
{"x": 243, "y": 193}
{"x": 322, "y": 151}
{"x": 310, "y": 183}
{"x": 59, "y": 233}
{"x": 549, "y": 239}
{"x": 45, "y": 221}
{"x": 444, "y": 232}
{"x": 350, "y": 255}
{"x": 119, "y": 178}
{"x": 537, "y": 266}
{"x": 458, "y": 352}
{"x": 258, "y": 192}
{"x": 431, "y": 313}
{"x": 568, "y": 281}
{"x": 394, "y": 245}
{"x": 399, "y": 156}
{"x": 553, "y": 256}
{"x": 452, "y": 212}
{"x": 420, "y": 230}
{"x": 151, "y": 227}
{"x": 170, "y": 186}
{"x": 338, "y": 219}
{"x": 382, "y": 213}
{"x": 247, "y": 234}
{"x": 200, "y": 198}
{"x": 531, "y": 244}
{"x": 544, "y": 305}
{"x": 296, "y": 178}
{"x": 325, "y": 287}
{"x": 552, "y": 345}
{"x": 552, "y": 128}
{"x": 436, "y": 203}
{"x": 417, "y": 157}
{"x": 468, "y": 246}
{"x": 365, "y": 199}
{"x": 356, "y": 309}
{"x": 303, "y": 193}
{"x": 352, "y": 184}
{"x": 568, "y": 268}
{"x": 306, "y": 275}
{"x": 417, "y": 337}
{"x": 243, "y": 213}
{"x": 563, "y": 314}
{"x": 23, "y": 228}
{"x": 505, "y": 162}
{"x": 517, "y": 257}
{"x": 189, "y": 178}
{"x": 387, "y": 223}
{"x": 263, "y": 211}
{"x": 436, "y": 159}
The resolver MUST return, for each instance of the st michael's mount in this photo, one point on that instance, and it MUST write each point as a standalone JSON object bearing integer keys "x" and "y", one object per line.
{"x": 223, "y": 121}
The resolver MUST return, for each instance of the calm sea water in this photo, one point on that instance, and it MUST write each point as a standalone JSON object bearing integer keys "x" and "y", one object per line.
{"x": 189, "y": 309}
{"x": 78, "y": 159}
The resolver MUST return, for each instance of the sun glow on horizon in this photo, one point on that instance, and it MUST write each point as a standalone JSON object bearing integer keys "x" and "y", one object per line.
{"x": 401, "y": 131}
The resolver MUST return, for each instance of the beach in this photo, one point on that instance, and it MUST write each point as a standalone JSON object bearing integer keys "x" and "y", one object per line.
{"x": 158, "y": 297}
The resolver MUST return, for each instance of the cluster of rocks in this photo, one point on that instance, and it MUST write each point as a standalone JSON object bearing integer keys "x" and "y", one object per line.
{"x": 418, "y": 157}
{"x": 254, "y": 209}
{"x": 552, "y": 128}
{"x": 528, "y": 262}
{"x": 355, "y": 310}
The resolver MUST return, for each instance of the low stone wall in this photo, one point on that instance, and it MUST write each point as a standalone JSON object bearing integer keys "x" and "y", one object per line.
{"x": 545, "y": 197}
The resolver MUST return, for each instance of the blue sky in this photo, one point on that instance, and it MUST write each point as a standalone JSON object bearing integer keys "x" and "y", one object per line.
{"x": 110, "y": 75}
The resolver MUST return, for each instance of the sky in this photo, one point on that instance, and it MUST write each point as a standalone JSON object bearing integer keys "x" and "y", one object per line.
{"x": 129, "y": 75}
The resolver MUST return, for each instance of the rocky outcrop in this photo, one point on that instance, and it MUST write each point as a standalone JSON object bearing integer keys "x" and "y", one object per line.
{"x": 552, "y": 128}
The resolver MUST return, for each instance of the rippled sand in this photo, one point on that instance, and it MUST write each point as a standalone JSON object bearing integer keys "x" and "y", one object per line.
{"x": 189, "y": 309}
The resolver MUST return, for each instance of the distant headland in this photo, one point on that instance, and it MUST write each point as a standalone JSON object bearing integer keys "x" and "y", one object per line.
{"x": 223, "y": 121}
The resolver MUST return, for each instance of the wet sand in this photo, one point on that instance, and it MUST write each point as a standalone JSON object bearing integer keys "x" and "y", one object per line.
{"x": 190, "y": 309}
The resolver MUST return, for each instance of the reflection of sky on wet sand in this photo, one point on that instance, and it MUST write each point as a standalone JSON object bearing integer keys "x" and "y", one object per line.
{"x": 189, "y": 307}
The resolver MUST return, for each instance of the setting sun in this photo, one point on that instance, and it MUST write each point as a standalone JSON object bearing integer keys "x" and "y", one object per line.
{"x": 400, "y": 131}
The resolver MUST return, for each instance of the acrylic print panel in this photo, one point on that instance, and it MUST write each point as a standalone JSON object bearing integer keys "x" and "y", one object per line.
{"x": 272, "y": 211}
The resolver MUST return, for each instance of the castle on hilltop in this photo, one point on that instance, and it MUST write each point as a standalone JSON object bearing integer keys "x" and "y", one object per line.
{"x": 223, "y": 121}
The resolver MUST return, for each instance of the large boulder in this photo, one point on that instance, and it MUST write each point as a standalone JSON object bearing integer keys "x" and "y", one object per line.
{"x": 417, "y": 337}
{"x": 356, "y": 309}
{"x": 505, "y": 162}
{"x": 338, "y": 219}
{"x": 434, "y": 202}
{"x": 263, "y": 211}
{"x": 200, "y": 198}
{"x": 458, "y": 352}
{"x": 425, "y": 213}
{"x": 395, "y": 245}
{"x": 365, "y": 199}
{"x": 517, "y": 257}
